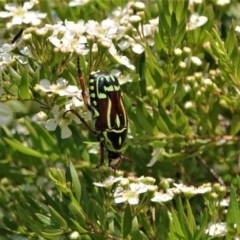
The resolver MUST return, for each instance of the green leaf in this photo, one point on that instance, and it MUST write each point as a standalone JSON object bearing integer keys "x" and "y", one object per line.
{"x": 24, "y": 86}
{"x": 127, "y": 221}
{"x": 15, "y": 77}
{"x": 76, "y": 211}
{"x": 235, "y": 125}
{"x": 182, "y": 121}
{"x": 44, "y": 219}
{"x": 168, "y": 121}
{"x": 57, "y": 219}
{"x": 233, "y": 214}
{"x": 75, "y": 183}
{"x": 135, "y": 233}
{"x": 190, "y": 219}
{"x": 15, "y": 144}
{"x": 176, "y": 226}
{"x": 76, "y": 226}
{"x": 98, "y": 215}
{"x": 203, "y": 225}
{"x": 143, "y": 117}
{"x": 51, "y": 233}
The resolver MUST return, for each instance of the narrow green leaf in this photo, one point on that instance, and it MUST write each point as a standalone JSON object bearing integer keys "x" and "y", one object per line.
{"x": 57, "y": 219}
{"x": 181, "y": 215}
{"x": 44, "y": 219}
{"x": 51, "y": 233}
{"x": 135, "y": 233}
{"x": 75, "y": 211}
{"x": 160, "y": 124}
{"x": 177, "y": 226}
{"x": 143, "y": 117}
{"x": 174, "y": 26}
{"x": 127, "y": 221}
{"x": 182, "y": 121}
{"x": 168, "y": 121}
{"x": 15, "y": 77}
{"x": 75, "y": 182}
{"x": 230, "y": 41}
{"x": 26, "y": 150}
{"x": 24, "y": 85}
{"x": 181, "y": 11}
{"x": 98, "y": 214}
{"x": 34, "y": 205}
{"x": 233, "y": 215}
{"x": 190, "y": 219}
{"x": 203, "y": 225}
{"x": 77, "y": 226}
{"x": 235, "y": 124}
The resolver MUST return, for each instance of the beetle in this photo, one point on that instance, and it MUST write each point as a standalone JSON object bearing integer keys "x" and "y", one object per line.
{"x": 108, "y": 113}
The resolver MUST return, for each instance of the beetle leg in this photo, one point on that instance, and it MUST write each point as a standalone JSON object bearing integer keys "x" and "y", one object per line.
{"x": 115, "y": 166}
{"x": 81, "y": 119}
{"x": 82, "y": 84}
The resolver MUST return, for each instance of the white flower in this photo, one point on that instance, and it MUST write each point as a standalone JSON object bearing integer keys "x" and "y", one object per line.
{"x": 196, "y": 21}
{"x": 197, "y": 61}
{"x": 135, "y": 19}
{"x": 237, "y": 29}
{"x": 52, "y": 123}
{"x": 207, "y": 81}
{"x": 61, "y": 88}
{"x": 70, "y": 42}
{"x": 191, "y": 2}
{"x": 138, "y": 48}
{"x": 162, "y": 197}
{"x": 6, "y": 114}
{"x": 188, "y": 104}
{"x": 39, "y": 117}
{"x": 191, "y": 190}
{"x": 124, "y": 44}
{"x": 75, "y": 3}
{"x": 178, "y": 51}
{"x": 224, "y": 202}
{"x": 139, "y": 5}
{"x": 217, "y": 229}
{"x": 122, "y": 196}
{"x": 222, "y": 2}
{"x": 74, "y": 235}
{"x": 108, "y": 182}
{"x": 120, "y": 59}
{"x": 182, "y": 64}
{"x": 20, "y": 14}
{"x": 5, "y": 53}
{"x": 131, "y": 195}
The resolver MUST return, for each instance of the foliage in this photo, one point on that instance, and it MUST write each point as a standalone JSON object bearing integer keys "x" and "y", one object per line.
{"x": 178, "y": 65}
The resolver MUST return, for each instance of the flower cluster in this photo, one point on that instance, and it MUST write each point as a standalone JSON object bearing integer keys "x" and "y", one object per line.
{"x": 130, "y": 189}
{"x": 21, "y": 14}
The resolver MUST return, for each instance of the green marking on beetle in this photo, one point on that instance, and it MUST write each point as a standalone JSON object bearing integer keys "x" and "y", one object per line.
{"x": 94, "y": 103}
{"x": 91, "y": 87}
{"x": 109, "y": 113}
{"x": 124, "y": 112}
{"x": 95, "y": 113}
{"x": 107, "y": 78}
{"x": 93, "y": 95}
{"x": 112, "y": 78}
{"x": 120, "y": 141}
{"x": 101, "y": 95}
{"x": 91, "y": 80}
{"x": 111, "y": 88}
{"x": 117, "y": 120}
{"x": 94, "y": 72}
